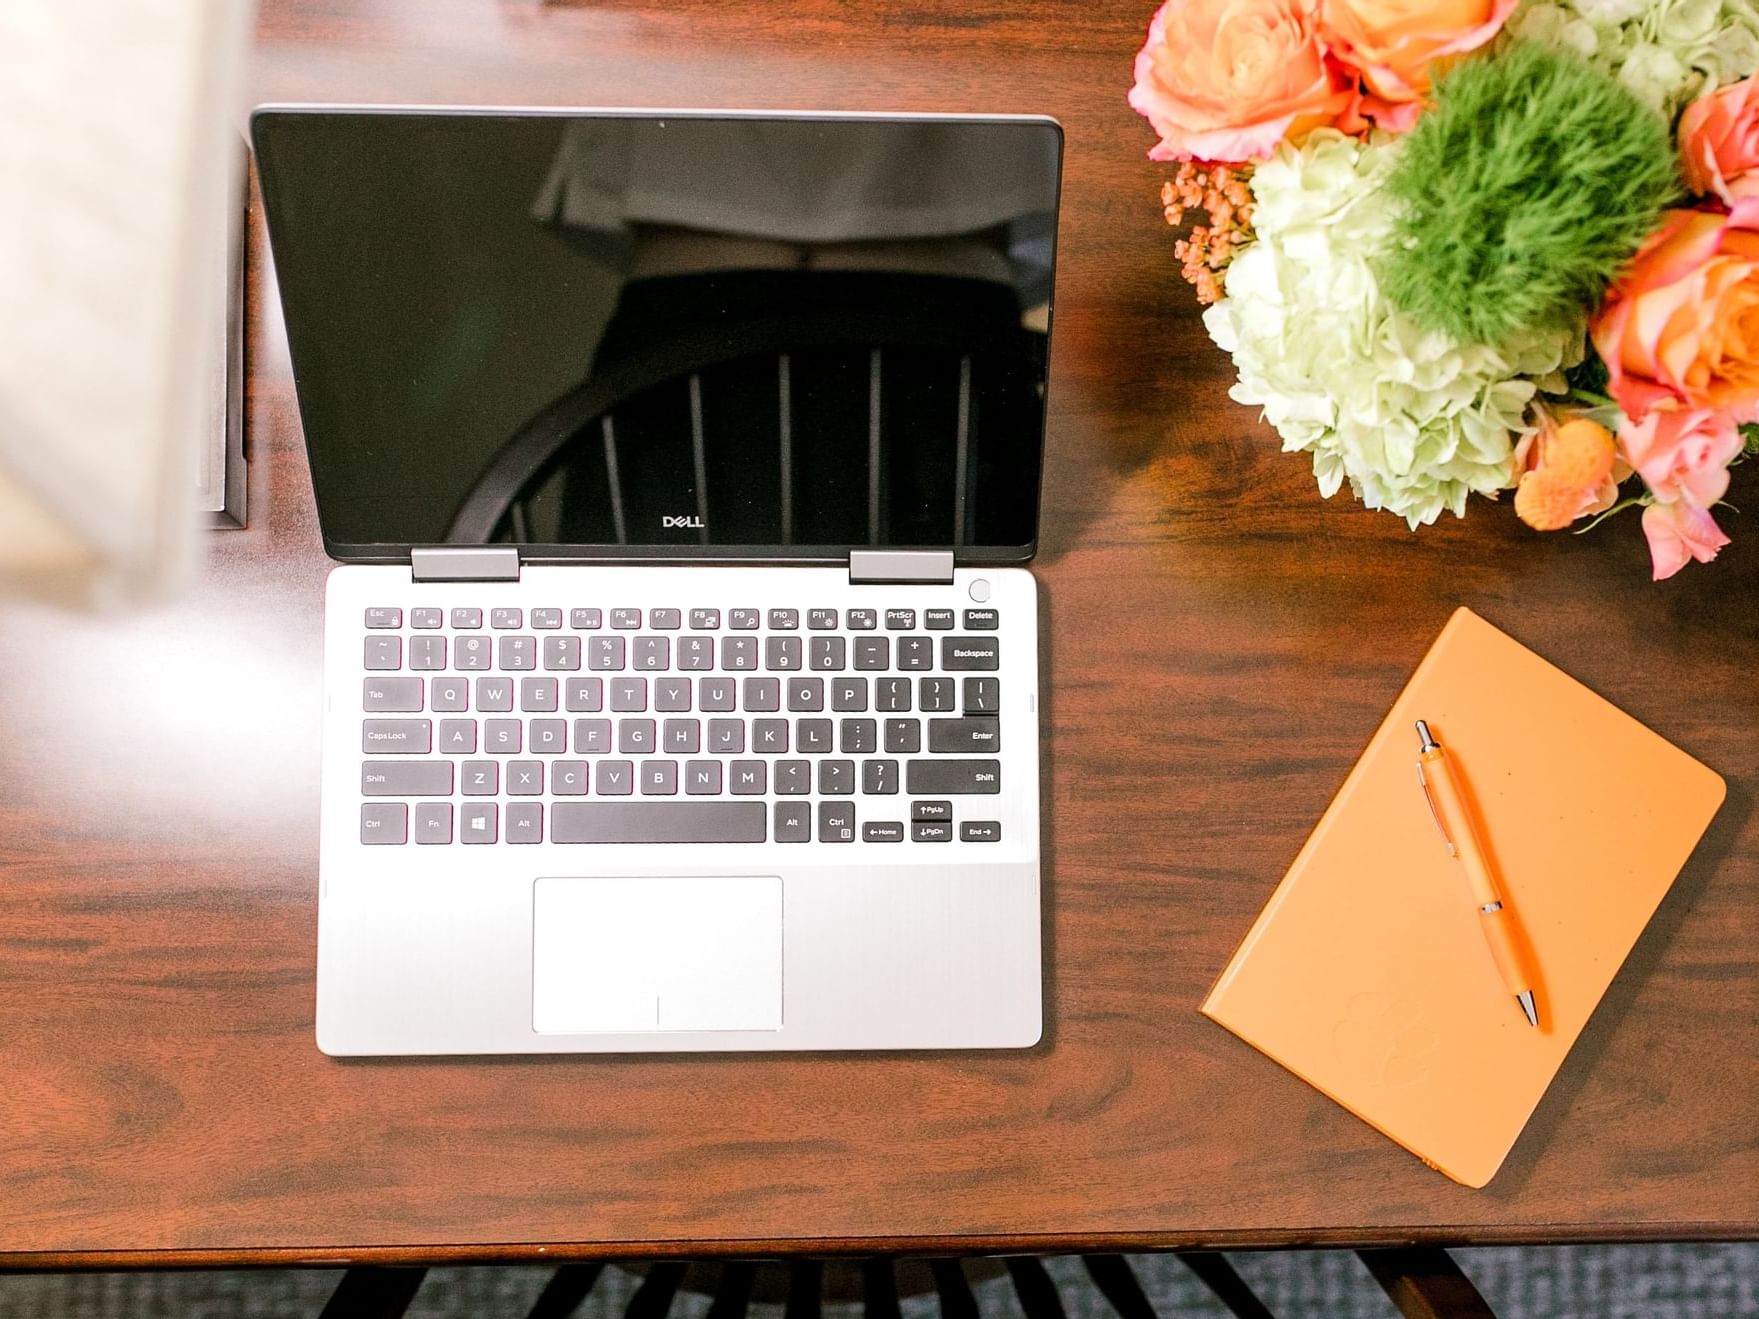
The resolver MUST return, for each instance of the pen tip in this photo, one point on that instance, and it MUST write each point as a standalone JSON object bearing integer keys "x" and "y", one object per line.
{"x": 1525, "y": 999}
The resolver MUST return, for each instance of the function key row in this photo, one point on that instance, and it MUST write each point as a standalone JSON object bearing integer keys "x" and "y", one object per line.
{"x": 463, "y": 619}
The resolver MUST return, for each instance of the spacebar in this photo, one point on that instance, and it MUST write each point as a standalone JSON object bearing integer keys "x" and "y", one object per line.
{"x": 657, "y": 822}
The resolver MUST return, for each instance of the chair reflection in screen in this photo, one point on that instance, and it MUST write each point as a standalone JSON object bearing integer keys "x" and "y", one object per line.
{"x": 810, "y": 368}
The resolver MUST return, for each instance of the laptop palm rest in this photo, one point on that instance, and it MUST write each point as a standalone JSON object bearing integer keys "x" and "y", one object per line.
{"x": 622, "y": 954}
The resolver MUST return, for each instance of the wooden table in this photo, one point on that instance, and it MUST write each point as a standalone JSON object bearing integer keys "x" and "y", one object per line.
{"x": 1220, "y": 643}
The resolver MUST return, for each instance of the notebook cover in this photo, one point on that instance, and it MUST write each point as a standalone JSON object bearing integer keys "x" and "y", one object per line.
{"x": 1366, "y": 973}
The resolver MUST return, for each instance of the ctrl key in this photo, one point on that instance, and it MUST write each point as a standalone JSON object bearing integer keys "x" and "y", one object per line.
{"x": 384, "y": 823}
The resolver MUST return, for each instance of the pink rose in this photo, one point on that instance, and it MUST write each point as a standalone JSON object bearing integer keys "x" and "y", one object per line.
{"x": 1397, "y": 45}
{"x": 1678, "y": 533}
{"x": 1226, "y": 80}
{"x": 1680, "y": 328}
{"x": 1719, "y": 142}
{"x": 1682, "y": 454}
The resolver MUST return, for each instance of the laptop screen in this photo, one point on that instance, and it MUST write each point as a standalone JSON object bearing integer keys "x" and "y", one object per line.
{"x": 620, "y": 334}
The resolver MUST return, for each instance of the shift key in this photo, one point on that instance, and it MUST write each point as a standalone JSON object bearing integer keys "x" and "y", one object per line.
{"x": 406, "y": 778}
{"x": 408, "y": 737}
{"x": 952, "y": 778}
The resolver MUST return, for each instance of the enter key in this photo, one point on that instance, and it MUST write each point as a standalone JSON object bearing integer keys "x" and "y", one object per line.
{"x": 965, "y": 735}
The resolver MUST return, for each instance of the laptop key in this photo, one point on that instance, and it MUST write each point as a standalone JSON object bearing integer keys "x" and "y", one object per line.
{"x": 427, "y": 652}
{"x": 970, "y": 653}
{"x": 953, "y": 778}
{"x": 743, "y": 620}
{"x": 856, "y": 737}
{"x": 937, "y": 696}
{"x": 931, "y": 831}
{"x": 900, "y": 620}
{"x": 793, "y": 778}
{"x": 470, "y": 653}
{"x": 681, "y": 737}
{"x": 657, "y": 822}
{"x": 464, "y": 619}
{"x": 931, "y": 810}
{"x": 747, "y": 777}
{"x": 821, "y": 619}
{"x": 586, "y": 620}
{"x": 982, "y": 695}
{"x": 616, "y": 779}
{"x": 546, "y": 620}
{"x": 449, "y": 694}
{"x": 769, "y": 737}
{"x": 458, "y": 737}
{"x": 937, "y": 620}
{"x": 525, "y": 778}
{"x": 716, "y": 694}
{"x": 502, "y": 737}
{"x": 696, "y": 653}
{"x": 390, "y": 695}
{"x": 384, "y": 823}
{"x": 569, "y": 778}
{"x": 873, "y": 652}
{"x": 980, "y": 831}
{"x": 386, "y": 652}
{"x": 659, "y": 778}
{"x": 651, "y": 653}
{"x": 964, "y": 736}
{"x": 584, "y": 695}
{"x": 726, "y": 737}
{"x": 604, "y": 652}
{"x": 480, "y": 778}
{"x": 626, "y": 620}
{"x": 506, "y": 619}
{"x": 592, "y": 737}
{"x": 778, "y": 653}
{"x": 862, "y": 620}
{"x": 628, "y": 694}
{"x": 903, "y": 737}
{"x": 915, "y": 652}
{"x": 739, "y": 653}
{"x": 525, "y": 822}
{"x": 763, "y": 694}
{"x": 879, "y": 777}
{"x": 538, "y": 695}
{"x": 828, "y": 653}
{"x": 882, "y": 831}
{"x": 705, "y": 620}
{"x": 793, "y": 822}
{"x": 635, "y": 737}
{"x": 670, "y": 619}
{"x": 518, "y": 652}
{"x": 547, "y": 737}
{"x": 836, "y": 822}
{"x": 561, "y": 652}
{"x": 405, "y": 737}
{"x": 433, "y": 822}
{"x": 982, "y": 620}
{"x": 494, "y": 695}
{"x": 848, "y": 693}
{"x": 477, "y": 822}
{"x": 836, "y": 778}
{"x": 702, "y": 778}
{"x": 427, "y": 619}
{"x": 671, "y": 695}
{"x": 806, "y": 694}
{"x": 406, "y": 778}
{"x": 891, "y": 695}
{"x": 784, "y": 619}
{"x": 813, "y": 737}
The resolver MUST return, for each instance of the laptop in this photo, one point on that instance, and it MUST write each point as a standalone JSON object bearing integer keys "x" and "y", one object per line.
{"x": 680, "y": 666}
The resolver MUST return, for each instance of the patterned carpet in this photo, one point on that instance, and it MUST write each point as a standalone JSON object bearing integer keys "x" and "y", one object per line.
{"x": 1583, "y": 1282}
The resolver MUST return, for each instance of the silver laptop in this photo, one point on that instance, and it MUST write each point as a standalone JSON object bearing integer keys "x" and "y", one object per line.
{"x": 680, "y": 676}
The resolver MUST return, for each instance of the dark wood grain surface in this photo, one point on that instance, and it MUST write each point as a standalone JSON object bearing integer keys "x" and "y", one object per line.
{"x": 1219, "y": 644}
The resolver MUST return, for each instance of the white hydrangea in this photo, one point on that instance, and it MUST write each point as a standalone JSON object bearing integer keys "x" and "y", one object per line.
{"x": 1666, "y": 51}
{"x": 1413, "y": 420}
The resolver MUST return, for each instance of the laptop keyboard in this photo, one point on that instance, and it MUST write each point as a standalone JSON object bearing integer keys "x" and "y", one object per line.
{"x": 624, "y": 725}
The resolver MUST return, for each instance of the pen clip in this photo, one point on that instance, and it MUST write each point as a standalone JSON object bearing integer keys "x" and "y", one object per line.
{"x": 1435, "y": 814}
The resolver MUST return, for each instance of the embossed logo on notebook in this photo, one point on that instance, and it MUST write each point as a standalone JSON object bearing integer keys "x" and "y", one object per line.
{"x": 1392, "y": 1037}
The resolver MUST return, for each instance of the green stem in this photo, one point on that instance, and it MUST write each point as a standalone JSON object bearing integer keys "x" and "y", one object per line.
{"x": 1619, "y": 507}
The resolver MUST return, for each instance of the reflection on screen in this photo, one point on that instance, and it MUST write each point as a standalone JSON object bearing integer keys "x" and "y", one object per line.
{"x": 590, "y": 330}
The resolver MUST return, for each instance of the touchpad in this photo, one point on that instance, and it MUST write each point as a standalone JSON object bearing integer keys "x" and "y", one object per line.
{"x": 685, "y": 952}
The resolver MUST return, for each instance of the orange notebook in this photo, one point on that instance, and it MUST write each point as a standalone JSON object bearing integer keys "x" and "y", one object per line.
{"x": 1367, "y": 975}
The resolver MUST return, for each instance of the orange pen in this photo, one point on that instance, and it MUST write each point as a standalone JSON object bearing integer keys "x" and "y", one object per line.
{"x": 1458, "y": 830}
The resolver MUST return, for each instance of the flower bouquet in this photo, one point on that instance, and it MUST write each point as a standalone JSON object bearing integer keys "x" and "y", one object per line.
{"x": 1460, "y": 246}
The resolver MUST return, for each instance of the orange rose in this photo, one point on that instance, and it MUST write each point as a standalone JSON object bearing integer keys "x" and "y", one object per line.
{"x": 1680, "y": 329}
{"x": 1397, "y": 45}
{"x": 1719, "y": 142}
{"x": 1226, "y": 80}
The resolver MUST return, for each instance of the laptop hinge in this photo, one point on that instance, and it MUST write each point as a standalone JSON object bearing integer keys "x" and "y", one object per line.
{"x": 876, "y": 566}
{"x": 465, "y": 563}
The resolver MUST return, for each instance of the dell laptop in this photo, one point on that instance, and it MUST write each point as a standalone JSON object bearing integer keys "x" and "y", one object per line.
{"x": 680, "y": 670}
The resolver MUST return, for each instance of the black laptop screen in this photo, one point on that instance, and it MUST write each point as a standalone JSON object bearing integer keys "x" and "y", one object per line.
{"x": 682, "y": 335}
